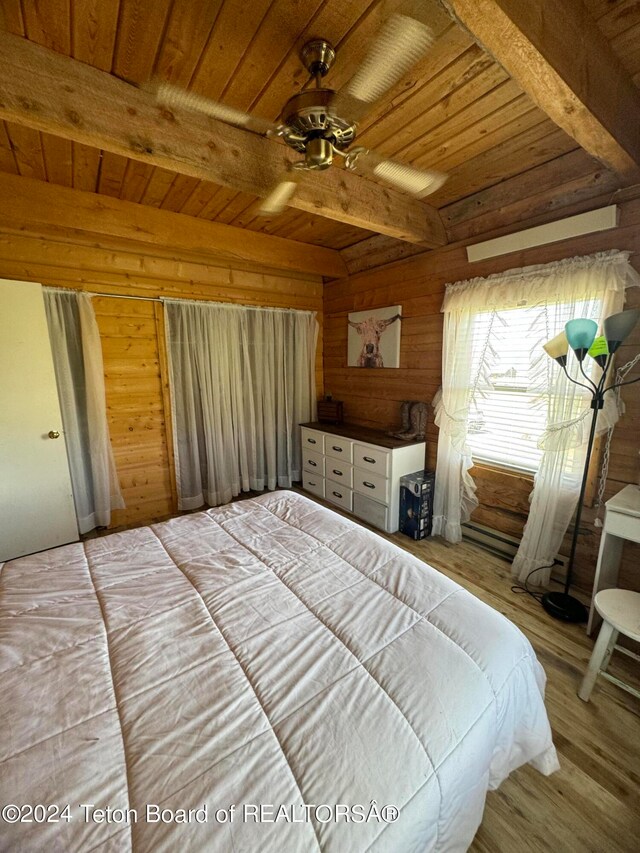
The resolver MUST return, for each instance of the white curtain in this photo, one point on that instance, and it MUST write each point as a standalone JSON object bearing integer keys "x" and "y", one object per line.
{"x": 590, "y": 286}
{"x": 242, "y": 380}
{"x": 454, "y": 498}
{"x": 77, "y": 359}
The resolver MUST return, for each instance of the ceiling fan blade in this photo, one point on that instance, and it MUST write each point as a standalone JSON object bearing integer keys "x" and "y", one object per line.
{"x": 417, "y": 182}
{"x": 279, "y": 197}
{"x": 399, "y": 45}
{"x": 174, "y": 96}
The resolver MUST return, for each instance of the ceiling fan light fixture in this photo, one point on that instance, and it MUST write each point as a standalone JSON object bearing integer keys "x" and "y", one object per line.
{"x": 318, "y": 153}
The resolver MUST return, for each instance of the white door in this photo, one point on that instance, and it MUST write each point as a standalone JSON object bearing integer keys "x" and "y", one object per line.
{"x": 36, "y": 501}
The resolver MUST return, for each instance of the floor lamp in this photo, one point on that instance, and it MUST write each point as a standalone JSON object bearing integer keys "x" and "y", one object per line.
{"x": 580, "y": 335}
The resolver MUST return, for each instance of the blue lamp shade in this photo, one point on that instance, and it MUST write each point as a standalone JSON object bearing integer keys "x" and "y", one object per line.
{"x": 581, "y": 334}
{"x": 618, "y": 326}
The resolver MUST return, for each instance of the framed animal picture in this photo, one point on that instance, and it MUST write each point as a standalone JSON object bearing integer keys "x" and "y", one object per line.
{"x": 374, "y": 337}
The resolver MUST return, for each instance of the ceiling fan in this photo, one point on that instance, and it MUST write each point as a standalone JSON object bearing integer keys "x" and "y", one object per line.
{"x": 321, "y": 123}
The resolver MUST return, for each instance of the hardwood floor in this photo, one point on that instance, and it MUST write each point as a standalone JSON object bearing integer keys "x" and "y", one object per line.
{"x": 593, "y": 802}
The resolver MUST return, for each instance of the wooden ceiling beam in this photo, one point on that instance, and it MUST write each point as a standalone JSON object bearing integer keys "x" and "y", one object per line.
{"x": 571, "y": 183}
{"x": 36, "y": 207}
{"x": 58, "y": 95}
{"x": 559, "y": 56}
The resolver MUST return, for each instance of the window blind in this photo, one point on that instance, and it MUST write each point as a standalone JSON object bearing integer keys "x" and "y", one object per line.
{"x": 509, "y": 407}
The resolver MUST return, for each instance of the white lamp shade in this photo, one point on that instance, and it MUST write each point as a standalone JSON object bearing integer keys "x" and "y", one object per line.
{"x": 557, "y": 346}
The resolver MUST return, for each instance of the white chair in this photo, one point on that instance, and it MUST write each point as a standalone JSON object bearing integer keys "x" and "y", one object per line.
{"x": 620, "y": 610}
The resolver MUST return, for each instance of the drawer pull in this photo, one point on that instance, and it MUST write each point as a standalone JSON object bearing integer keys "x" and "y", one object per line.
{"x": 311, "y": 483}
{"x": 369, "y": 459}
{"x": 311, "y": 441}
{"x": 339, "y": 473}
{"x": 339, "y": 449}
{"x": 368, "y": 485}
{"x": 311, "y": 462}
{"x": 337, "y": 494}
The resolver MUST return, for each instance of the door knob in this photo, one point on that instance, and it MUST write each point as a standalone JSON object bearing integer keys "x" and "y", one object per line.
{"x": 53, "y": 433}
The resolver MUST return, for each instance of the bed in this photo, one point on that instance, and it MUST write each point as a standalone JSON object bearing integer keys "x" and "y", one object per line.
{"x": 265, "y": 676}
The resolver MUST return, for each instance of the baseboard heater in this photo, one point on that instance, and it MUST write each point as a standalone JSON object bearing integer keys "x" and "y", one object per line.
{"x": 501, "y": 544}
{"x": 505, "y": 546}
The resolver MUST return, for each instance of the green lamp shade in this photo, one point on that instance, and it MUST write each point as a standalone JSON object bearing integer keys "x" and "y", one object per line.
{"x": 618, "y": 326}
{"x": 581, "y": 333}
{"x": 599, "y": 350}
{"x": 557, "y": 347}
{"x": 599, "y": 347}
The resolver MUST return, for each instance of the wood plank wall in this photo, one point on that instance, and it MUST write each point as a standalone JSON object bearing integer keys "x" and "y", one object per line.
{"x": 373, "y": 398}
{"x": 132, "y": 338}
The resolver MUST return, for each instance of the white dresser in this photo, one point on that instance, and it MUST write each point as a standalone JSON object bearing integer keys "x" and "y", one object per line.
{"x": 358, "y": 469}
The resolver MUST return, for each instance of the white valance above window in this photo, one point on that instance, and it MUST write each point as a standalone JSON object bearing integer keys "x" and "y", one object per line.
{"x": 567, "y": 280}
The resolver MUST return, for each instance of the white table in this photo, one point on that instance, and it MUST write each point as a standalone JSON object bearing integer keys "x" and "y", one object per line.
{"x": 621, "y": 521}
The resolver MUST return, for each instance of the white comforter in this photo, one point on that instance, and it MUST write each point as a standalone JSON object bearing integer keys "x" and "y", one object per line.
{"x": 266, "y": 654}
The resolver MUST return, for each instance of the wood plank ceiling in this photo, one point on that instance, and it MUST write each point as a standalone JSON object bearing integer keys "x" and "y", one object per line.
{"x": 457, "y": 110}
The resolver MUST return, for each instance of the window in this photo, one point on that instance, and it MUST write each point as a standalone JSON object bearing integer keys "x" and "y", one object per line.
{"x": 509, "y": 406}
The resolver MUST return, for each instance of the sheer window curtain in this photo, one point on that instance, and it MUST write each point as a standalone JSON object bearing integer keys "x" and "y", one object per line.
{"x": 77, "y": 359}
{"x": 242, "y": 380}
{"x": 590, "y": 286}
{"x": 454, "y": 498}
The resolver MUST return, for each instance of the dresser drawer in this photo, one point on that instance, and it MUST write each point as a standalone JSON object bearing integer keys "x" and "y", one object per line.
{"x": 312, "y": 440}
{"x": 338, "y": 471}
{"x": 313, "y": 462}
{"x": 370, "y": 511}
{"x": 372, "y": 485}
{"x": 338, "y": 448}
{"x": 313, "y": 484}
{"x": 338, "y": 495}
{"x": 372, "y": 459}
{"x": 623, "y": 525}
